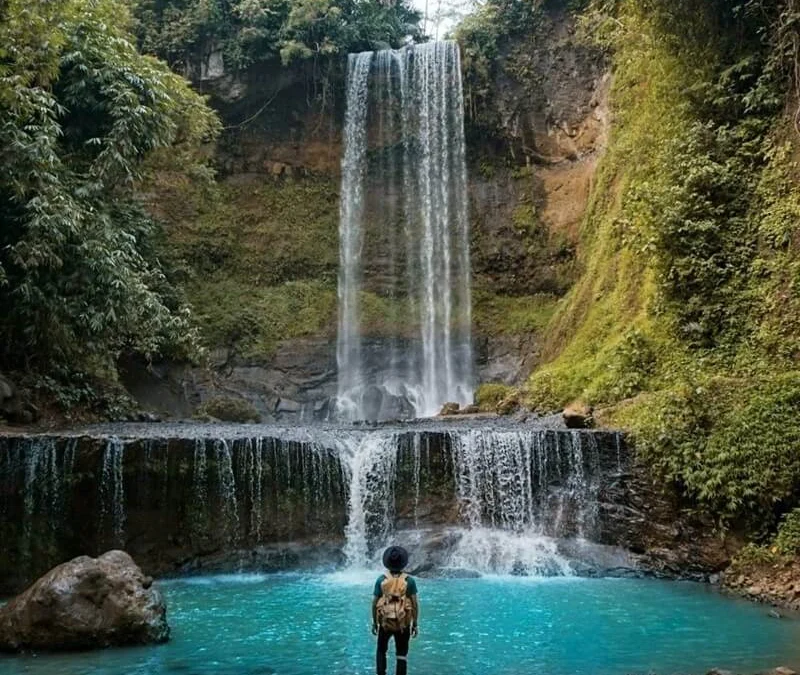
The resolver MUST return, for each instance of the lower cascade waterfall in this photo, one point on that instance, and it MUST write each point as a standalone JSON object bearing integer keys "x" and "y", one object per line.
{"x": 404, "y": 236}
{"x": 488, "y": 500}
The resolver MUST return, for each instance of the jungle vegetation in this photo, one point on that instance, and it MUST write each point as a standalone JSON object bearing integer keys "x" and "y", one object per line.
{"x": 683, "y": 325}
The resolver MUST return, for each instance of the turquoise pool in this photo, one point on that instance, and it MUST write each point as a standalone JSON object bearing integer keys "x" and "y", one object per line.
{"x": 307, "y": 625}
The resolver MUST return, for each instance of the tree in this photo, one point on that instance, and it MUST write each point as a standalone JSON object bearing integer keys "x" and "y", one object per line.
{"x": 82, "y": 113}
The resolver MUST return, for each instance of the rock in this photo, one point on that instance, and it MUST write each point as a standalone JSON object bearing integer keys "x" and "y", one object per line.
{"x": 14, "y": 406}
{"x": 86, "y": 603}
{"x": 286, "y": 405}
{"x": 449, "y": 409}
{"x": 509, "y": 405}
{"x": 578, "y": 416}
{"x": 230, "y": 409}
{"x": 469, "y": 410}
{"x": 6, "y": 390}
{"x": 775, "y": 614}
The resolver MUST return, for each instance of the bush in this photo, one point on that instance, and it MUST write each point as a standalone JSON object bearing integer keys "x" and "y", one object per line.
{"x": 489, "y": 395}
{"x": 787, "y": 542}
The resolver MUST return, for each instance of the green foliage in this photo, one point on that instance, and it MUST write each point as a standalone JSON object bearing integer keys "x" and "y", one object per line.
{"x": 684, "y": 322}
{"x": 509, "y": 315}
{"x": 484, "y": 37}
{"x": 82, "y": 113}
{"x": 787, "y": 541}
{"x": 229, "y": 409}
{"x": 753, "y": 556}
{"x": 489, "y": 395}
{"x": 729, "y": 444}
{"x": 246, "y": 31}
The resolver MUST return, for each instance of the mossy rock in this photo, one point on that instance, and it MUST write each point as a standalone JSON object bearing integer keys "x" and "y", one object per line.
{"x": 229, "y": 409}
{"x": 509, "y": 405}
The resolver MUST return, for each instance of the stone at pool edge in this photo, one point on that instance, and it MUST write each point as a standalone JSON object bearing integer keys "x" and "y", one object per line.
{"x": 86, "y": 603}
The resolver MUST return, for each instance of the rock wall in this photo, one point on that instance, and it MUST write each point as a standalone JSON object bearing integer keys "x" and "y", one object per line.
{"x": 259, "y": 254}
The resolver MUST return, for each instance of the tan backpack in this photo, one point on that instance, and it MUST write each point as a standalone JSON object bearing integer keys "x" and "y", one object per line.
{"x": 394, "y": 606}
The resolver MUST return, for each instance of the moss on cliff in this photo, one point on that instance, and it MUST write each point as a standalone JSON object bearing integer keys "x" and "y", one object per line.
{"x": 259, "y": 257}
{"x": 683, "y": 326}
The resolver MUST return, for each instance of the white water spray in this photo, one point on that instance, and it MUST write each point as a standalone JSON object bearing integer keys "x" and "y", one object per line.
{"x": 404, "y": 233}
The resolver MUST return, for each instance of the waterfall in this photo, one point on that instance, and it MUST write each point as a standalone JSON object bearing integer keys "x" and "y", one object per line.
{"x": 112, "y": 490}
{"x": 370, "y": 504}
{"x": 516, "y": 491}
{"x": 491, "y": 499}
{"x": 404, "y": 235}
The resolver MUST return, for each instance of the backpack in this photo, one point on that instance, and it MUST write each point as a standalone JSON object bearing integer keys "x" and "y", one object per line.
{"x": 394, "y": 606}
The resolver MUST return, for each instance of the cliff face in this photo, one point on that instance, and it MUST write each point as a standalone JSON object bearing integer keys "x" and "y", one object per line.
{"x": 259, "y": 250}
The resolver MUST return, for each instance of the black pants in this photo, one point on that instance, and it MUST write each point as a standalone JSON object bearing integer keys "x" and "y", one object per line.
{"x": 401, "y": 647}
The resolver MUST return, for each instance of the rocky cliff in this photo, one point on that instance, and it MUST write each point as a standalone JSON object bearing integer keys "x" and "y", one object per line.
{"x": 258, "y": 250}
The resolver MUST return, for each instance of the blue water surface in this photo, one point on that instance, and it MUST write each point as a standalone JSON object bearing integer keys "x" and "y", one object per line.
{"x": 307, "y": 625}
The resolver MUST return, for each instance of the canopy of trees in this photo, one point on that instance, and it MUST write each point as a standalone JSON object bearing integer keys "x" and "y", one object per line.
{"x": 245, "y": 31}
{"x": 81, "y": 115}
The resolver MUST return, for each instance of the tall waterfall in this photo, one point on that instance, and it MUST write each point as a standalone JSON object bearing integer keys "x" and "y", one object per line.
{"x": 404, "y": 236}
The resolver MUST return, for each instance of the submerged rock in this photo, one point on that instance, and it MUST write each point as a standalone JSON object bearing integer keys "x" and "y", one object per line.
{"x": 86, "y": 603}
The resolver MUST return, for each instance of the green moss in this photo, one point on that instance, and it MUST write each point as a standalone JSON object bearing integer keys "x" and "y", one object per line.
{"x": 510, "y": 315}
{"x": 259, "y": 259}
{"x": 228, "y": 409}
{"x": 252, "y": 320}
{"x": 684, "y": 325}
{"x": 490, "y": 394}
{"x": 525, "y": 219}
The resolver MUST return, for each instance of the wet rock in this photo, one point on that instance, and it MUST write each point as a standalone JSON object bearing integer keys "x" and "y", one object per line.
{"x": 775, "y": 580}
{"x": 286, "y": 405}
{"x": 449, "y": 409}
{"x": 6, "y": 390}
{"x": 14, "y": 407}
{"x": 86, "y": 603}
{"x": 578, "y": 416}
{"x": 469, "y": 410}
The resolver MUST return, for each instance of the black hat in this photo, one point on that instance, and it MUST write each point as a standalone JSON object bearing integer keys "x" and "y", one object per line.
{"x": 395, "y": 558}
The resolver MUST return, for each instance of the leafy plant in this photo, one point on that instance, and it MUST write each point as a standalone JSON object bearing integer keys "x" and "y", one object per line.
{"x": 787, "y": 540}
{"x": 82, "y": 113}
{"x": 185, "y": 32}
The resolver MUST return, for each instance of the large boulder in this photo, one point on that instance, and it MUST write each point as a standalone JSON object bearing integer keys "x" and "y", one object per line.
{"x": 83, "y": 604}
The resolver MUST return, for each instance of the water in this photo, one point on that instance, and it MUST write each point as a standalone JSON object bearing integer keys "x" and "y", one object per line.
{"x": 293, "y": 625}
{"x": 503, "y": 494}
{"x": 404, "y": 234}
{"x": 514, "y": 492}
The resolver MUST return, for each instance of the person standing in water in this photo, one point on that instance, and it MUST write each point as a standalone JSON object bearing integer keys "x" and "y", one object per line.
{"x": 395, "y": 610}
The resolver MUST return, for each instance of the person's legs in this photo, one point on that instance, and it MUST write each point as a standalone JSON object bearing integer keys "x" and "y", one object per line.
{"x": 401, "y": 646}
{"x": 380, "y": 655}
